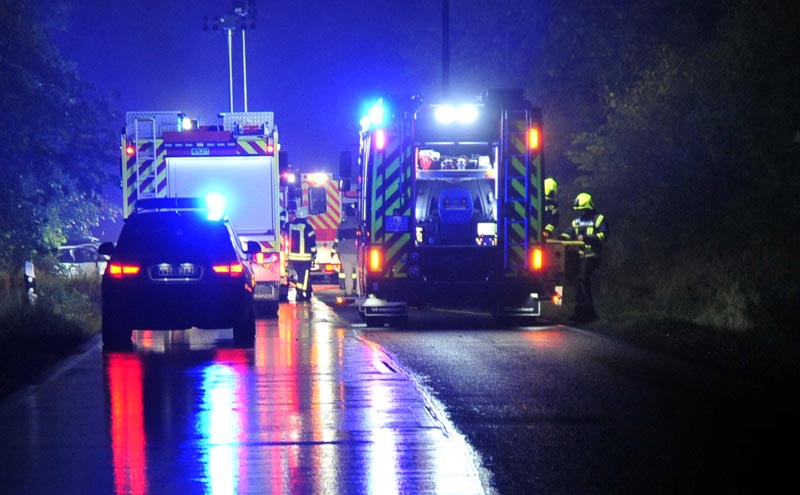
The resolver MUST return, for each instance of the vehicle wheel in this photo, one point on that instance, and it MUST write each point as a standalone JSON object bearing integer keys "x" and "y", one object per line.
{"x": 244, "y": 331}
{"x": 117, "y": 334}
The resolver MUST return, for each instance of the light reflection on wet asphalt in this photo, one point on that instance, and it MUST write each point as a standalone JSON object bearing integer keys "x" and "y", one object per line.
{"x": 310, "y": 409}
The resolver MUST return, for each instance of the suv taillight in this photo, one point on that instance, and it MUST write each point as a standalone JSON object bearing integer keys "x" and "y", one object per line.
{"x": 117, "y": 270}
{"x": 233, "y": 269}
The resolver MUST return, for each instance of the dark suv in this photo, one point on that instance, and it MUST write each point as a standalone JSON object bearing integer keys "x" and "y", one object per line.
{"x": 174, "y": 269}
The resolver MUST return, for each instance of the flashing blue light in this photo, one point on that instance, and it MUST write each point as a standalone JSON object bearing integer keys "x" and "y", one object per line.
{"x": 215, "y": 203}
{"x": 376, "y": 113}
{"x": 374, "y": 117}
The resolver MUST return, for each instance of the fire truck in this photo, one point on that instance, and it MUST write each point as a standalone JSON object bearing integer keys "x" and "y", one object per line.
{"x": 451, "y": 208}
{"x": 166, "y": 154}
{"x": 322, "y": 194}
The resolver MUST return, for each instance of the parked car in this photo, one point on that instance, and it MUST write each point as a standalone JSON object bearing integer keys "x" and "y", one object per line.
{"x": 174, "y": 269}
{"x": 79, "y": 257}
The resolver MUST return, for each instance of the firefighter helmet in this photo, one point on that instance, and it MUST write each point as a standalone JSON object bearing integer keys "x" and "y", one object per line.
{"x": 583, "y": 201}
{"x": 302, "y": 212}
{"x": 550, "y": 186}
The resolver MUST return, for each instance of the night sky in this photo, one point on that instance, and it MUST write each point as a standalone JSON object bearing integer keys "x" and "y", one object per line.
{"x": 312, "y": 62}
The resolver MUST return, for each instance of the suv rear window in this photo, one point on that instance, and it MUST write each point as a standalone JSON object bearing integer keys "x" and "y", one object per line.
{"x": 175, "y": 232}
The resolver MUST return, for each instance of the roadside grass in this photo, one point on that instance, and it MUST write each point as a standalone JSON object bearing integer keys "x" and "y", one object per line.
{"x": 35, "y": 336}
{"x": 704, "y": 311}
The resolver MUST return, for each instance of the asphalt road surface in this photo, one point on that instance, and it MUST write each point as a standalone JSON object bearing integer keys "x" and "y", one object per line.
{"x": 450, "y": 404}
{"x": 554, "y": 409}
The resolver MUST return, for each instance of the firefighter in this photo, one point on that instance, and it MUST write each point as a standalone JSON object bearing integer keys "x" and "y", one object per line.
{"x": 284, "y": 220}
{"x": 590, "y": 227}
{"x": 346, "y": 248}
{"x": 551, "y": 216}
{"x": 302, "y": 252}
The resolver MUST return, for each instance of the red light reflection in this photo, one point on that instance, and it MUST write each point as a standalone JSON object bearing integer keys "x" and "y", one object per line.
{"x": 127, "y": 424}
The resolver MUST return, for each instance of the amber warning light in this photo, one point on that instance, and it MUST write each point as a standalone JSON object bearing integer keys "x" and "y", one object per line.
{"x": 129, "y": 149}
{"x": 534, "y": 138}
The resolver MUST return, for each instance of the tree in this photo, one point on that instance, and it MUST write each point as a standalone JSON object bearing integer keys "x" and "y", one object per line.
{"x": 55, "y": 154}
{"x": 698, "y": 159}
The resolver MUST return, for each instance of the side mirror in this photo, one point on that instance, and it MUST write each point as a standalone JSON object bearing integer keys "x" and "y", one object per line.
{"x": 106, "y": 248}
{"x": 345, "y": 164}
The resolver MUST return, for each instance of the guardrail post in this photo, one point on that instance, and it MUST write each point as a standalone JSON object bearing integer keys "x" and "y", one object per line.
{"x": 30, "y": 282}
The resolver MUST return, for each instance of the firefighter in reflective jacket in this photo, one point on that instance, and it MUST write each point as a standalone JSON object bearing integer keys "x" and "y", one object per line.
{"x": 551, "y": 215}
{"x": 302, "y": 251}
{"x": 591, "y": 228}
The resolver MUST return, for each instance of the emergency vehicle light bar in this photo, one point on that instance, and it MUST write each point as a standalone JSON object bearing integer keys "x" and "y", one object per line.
{"x": 213, "y": 203}
{"x": 464, "y": 114}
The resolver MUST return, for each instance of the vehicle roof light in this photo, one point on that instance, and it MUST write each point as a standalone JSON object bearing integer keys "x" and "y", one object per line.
{"x": 188, "y": 124}
{"x": 374, "y": 116}
{"x": 376, "y": 113}
{"x": 464, "y": 114}
{"x": 467, "y": 114}
{"x": 215, "y": 203}
{"x": 318, "y": 178}
{"x": 445, "y": 114}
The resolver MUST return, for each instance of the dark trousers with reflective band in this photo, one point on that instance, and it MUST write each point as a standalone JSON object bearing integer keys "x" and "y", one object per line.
{"x": 584, "y": 302}
{"x": 303, "y": 270}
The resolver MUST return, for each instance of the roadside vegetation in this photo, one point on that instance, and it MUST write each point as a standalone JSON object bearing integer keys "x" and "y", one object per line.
{"x": 682, "y": 119}
{"x": 33, "y": 336}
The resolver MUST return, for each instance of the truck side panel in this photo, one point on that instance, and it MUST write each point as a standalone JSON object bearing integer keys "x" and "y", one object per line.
{"x": 239, "y": 179}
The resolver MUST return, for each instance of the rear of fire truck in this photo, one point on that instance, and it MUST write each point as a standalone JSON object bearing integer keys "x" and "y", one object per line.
{"x": 166, "y": 154}
{"x": 321, "y": 195}
{"x": 451, "y": 207}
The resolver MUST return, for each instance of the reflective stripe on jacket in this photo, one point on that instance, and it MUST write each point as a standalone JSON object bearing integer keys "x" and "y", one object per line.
{"x": 302, "y": 241}
{"x": 594, "y": 230}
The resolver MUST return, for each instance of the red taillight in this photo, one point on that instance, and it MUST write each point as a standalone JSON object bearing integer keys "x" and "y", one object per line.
{"x": 232, "y": 269}
{"x": 537, "y": 259}
{"x": 380, "y": 139}
{"x": 130, "y": 149}
{"x": 117, "y": 270}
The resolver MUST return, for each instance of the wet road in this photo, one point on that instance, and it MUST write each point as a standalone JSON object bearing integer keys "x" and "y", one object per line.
{"x": 310, "y": 409}
{"x": 450, "y": 404}
{"x": 554, "y": 409}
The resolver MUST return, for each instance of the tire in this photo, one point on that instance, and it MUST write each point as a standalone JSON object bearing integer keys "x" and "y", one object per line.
{"x": 244, "y": 331}
{"x": 117, "y": 334}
